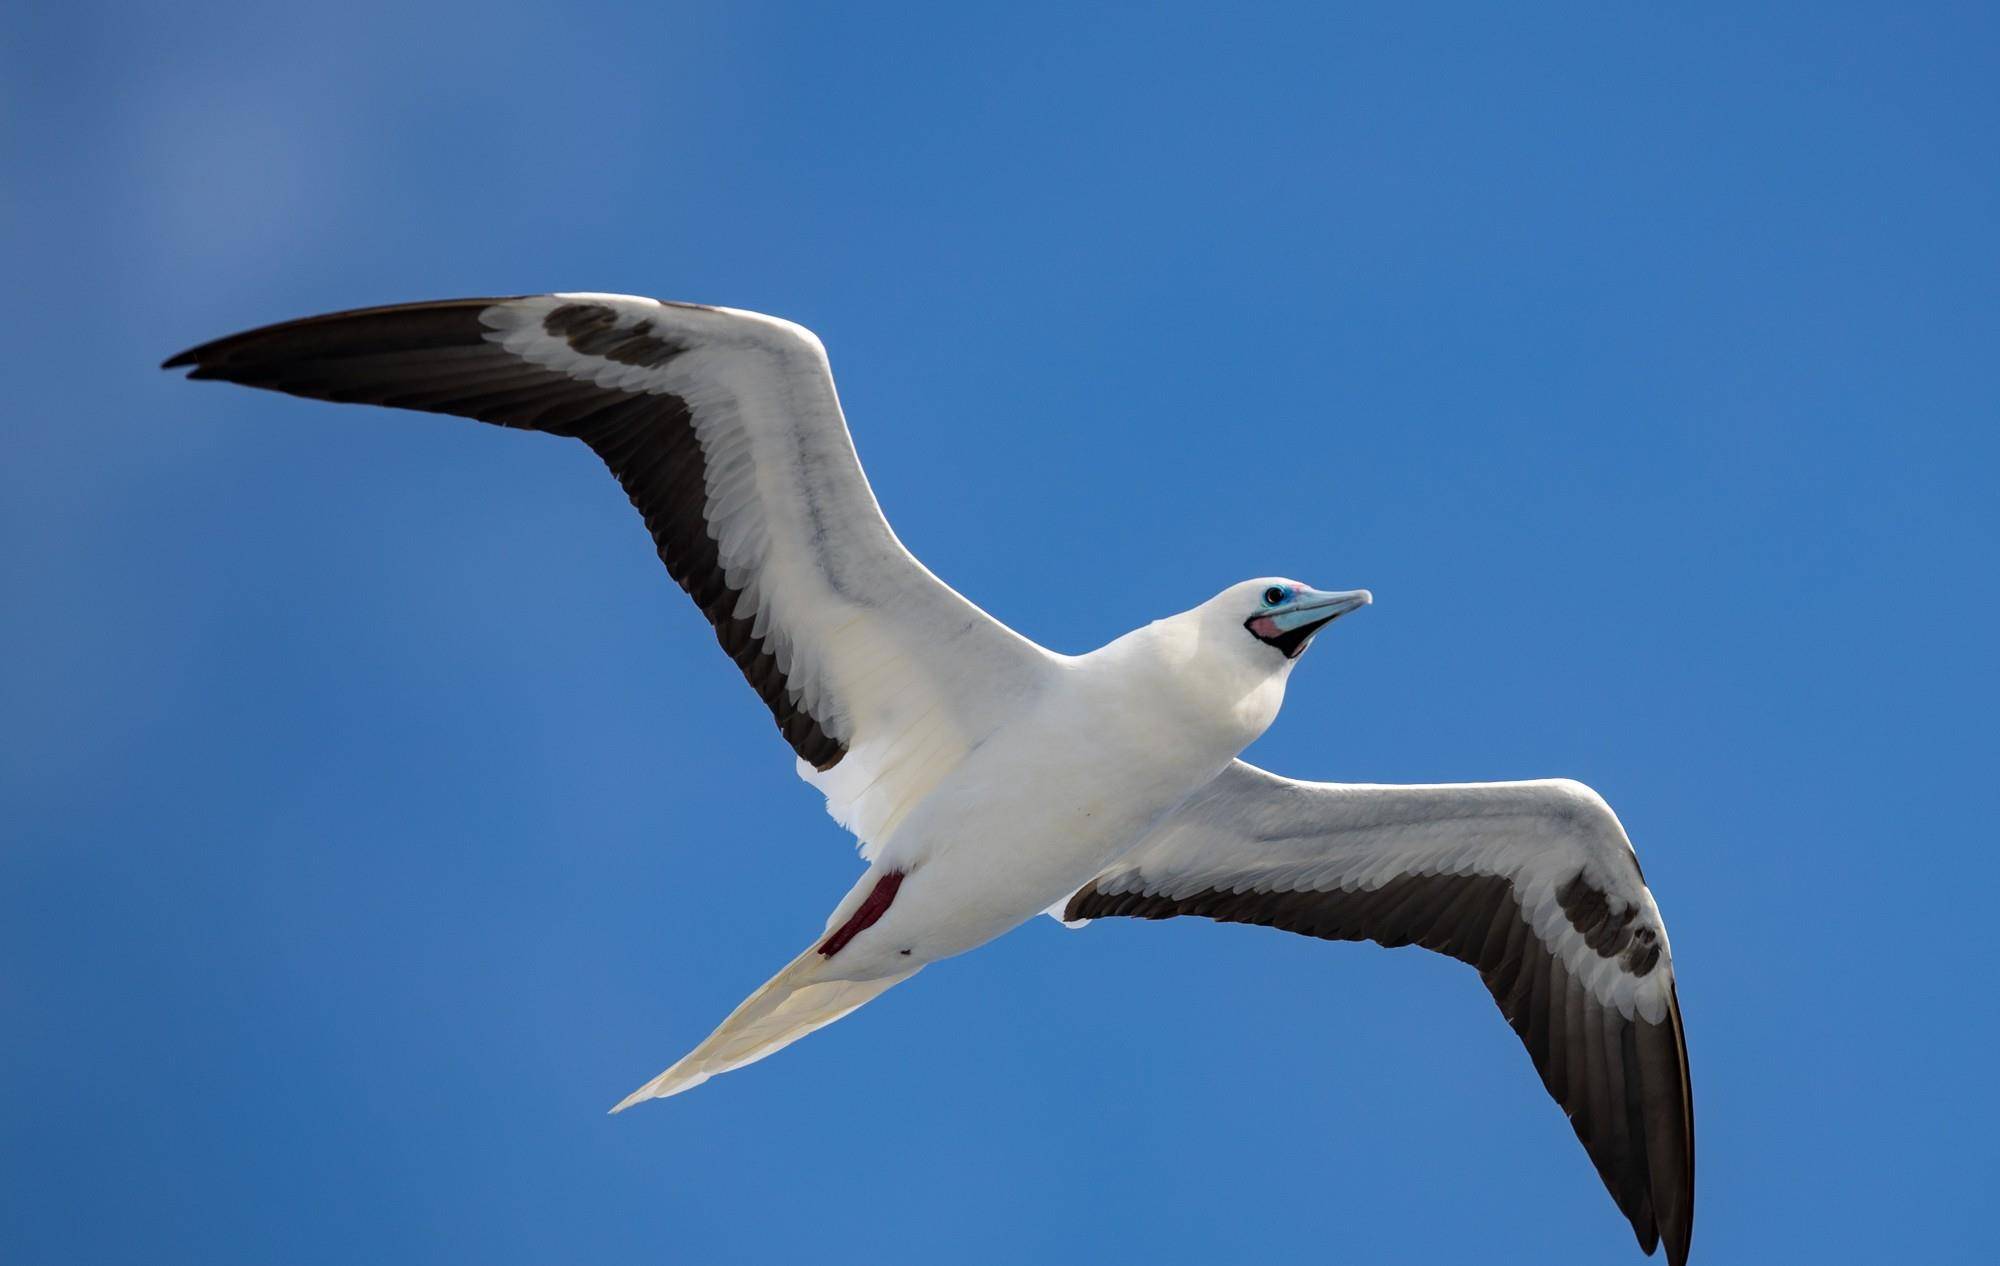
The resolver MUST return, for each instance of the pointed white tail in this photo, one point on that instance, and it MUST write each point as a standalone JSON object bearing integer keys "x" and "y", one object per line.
{"x": 789, "y": 1006}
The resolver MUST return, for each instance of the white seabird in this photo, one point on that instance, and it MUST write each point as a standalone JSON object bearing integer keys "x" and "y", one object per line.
{"x": 989, "y": 780}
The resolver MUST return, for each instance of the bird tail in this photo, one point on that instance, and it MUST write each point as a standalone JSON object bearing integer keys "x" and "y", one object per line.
{"x": 790, "y": 1005}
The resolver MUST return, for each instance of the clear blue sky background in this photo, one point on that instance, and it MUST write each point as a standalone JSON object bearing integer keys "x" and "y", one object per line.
{"x": 376, "y": 813}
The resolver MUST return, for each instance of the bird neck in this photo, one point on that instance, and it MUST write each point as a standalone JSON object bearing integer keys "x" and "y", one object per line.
{"x": 1181, "y": 674}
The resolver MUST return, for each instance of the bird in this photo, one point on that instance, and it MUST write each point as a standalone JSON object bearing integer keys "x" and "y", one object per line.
{"x": 989, "y": 780}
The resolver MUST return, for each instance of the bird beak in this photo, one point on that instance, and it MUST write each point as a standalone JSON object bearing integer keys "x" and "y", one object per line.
{"x": 1310, "y": 608}
{"x": 1292, "y": 625}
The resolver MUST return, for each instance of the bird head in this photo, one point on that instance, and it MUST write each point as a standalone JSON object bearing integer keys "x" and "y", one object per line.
{"x": 1235, "y": 652}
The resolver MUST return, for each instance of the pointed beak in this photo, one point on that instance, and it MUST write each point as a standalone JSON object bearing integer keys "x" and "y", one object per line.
{"x": 1291, "y": 626}
{"x": 1310, "y": 608}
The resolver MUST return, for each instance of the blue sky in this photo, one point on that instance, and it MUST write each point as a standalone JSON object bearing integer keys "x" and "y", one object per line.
{"x": 376, "y": 814}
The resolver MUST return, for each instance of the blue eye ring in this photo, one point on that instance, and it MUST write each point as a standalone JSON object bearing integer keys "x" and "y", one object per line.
{"x": 1275, "y": 595}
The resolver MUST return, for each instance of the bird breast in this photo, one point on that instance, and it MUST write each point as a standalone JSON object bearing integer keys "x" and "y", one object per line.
{"x": 1095, "y": 764}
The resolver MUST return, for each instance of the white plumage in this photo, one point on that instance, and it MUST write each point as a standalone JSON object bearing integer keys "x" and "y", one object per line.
{"x": 988, "y": 779}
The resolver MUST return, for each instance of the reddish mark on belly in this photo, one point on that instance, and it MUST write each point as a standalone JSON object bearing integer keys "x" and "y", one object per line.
{"x": 872, "y": 907}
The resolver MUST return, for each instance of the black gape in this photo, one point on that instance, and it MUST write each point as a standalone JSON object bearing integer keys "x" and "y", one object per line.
{"x": 1292, "y": 642}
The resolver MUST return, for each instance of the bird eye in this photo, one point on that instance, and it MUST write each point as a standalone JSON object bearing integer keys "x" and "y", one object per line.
{"x": 1274, "y": 595}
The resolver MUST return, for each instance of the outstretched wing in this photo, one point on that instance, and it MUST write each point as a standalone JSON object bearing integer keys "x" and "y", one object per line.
{"x": 724, "y": 429}
{"x": 1533, "y": 883}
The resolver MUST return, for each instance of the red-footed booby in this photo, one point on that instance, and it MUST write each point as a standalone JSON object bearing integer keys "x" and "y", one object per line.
{"x": 988, "y": 779}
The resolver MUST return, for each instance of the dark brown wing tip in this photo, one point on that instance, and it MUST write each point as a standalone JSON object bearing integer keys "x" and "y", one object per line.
{"x": 1666, "y": 1214}
{"x": 216, "y": 349}
{"x": 1677, "y": 1227}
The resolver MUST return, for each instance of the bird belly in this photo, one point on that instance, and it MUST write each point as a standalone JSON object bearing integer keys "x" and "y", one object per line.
{"x": 1016, "y": 828}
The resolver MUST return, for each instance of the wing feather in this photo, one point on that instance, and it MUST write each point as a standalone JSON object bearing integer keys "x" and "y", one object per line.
{"x": 1533, "y": 884}
{"x": 724, "y": 430}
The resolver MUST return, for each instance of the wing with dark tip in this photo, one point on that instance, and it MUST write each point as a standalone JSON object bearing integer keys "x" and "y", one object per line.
{"x": 1532, "y": 883}
{"x": 724, "y": 430}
